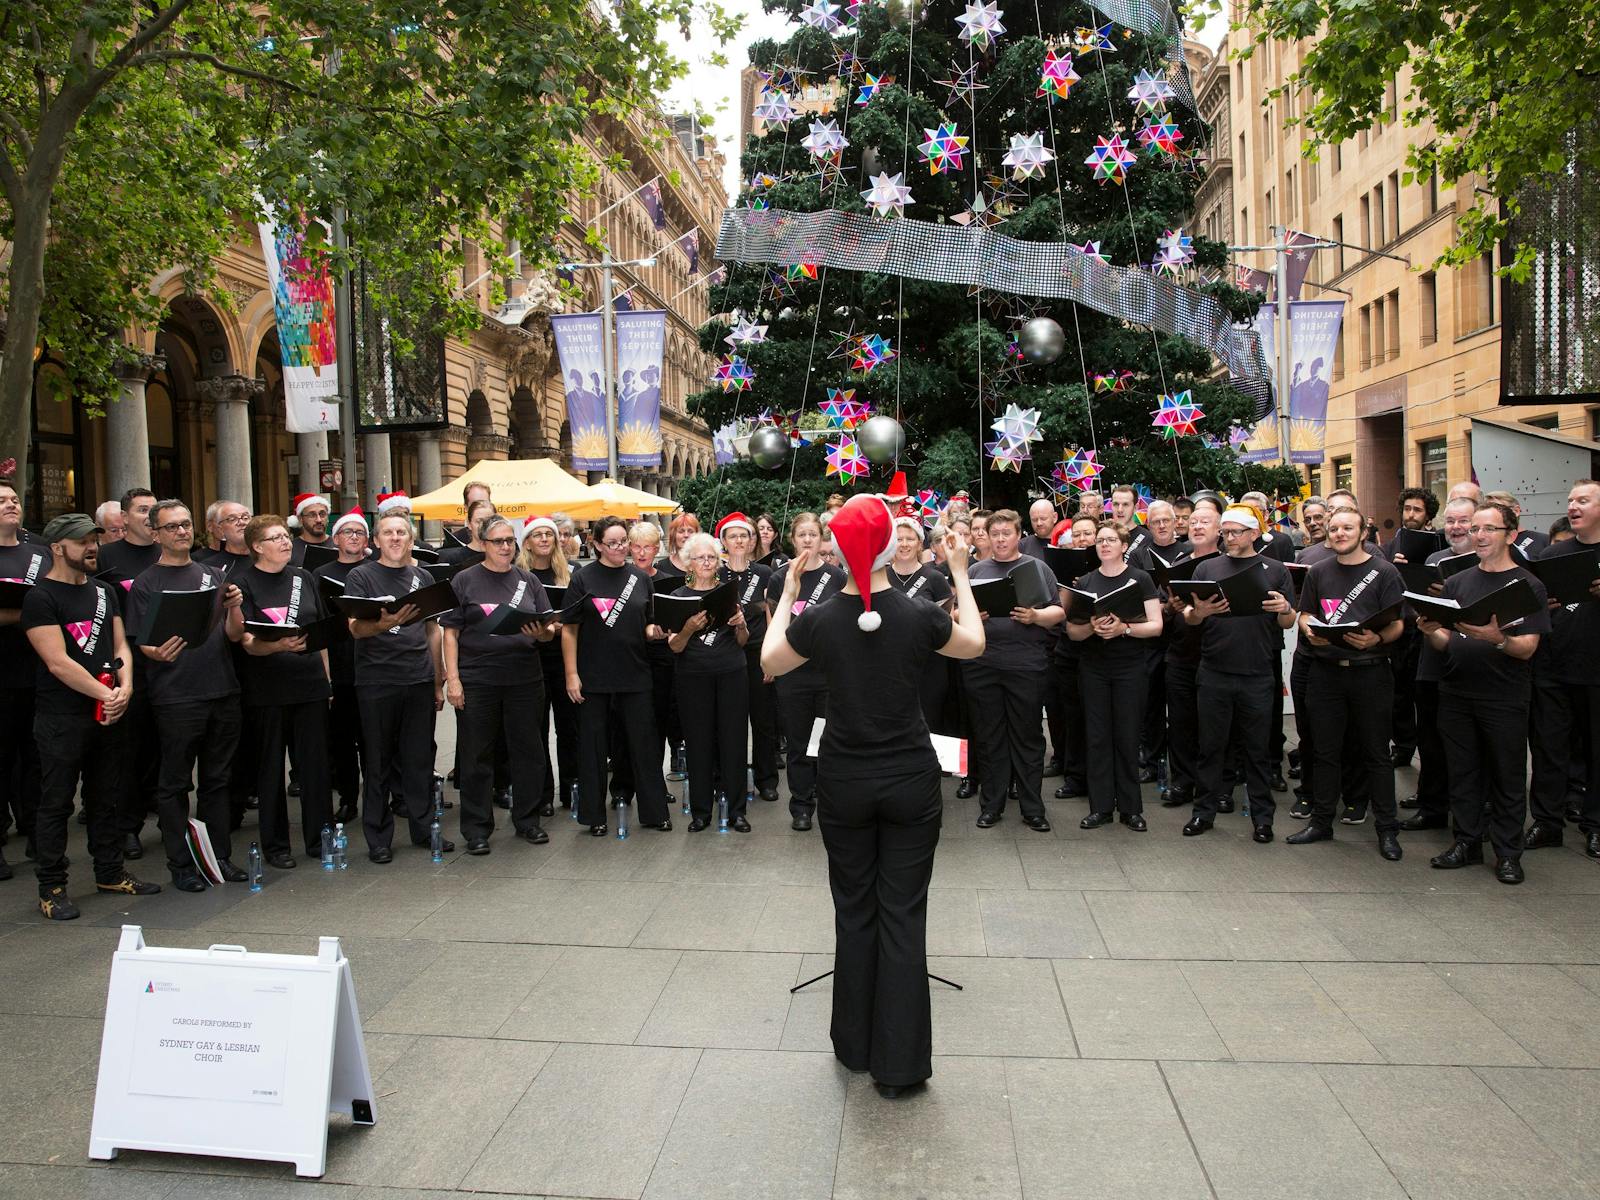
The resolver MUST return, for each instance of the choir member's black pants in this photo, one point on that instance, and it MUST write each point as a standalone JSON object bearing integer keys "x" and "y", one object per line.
{"x": 19, "y": 761}
{"x": 1305, "y": 727}
{"x": 1065, "y": 682}
{"x": 1153, "y": 734}
{"x": 565, "y": 714}
{"x": 204, "y": 733}
{"x": 764, "y": 721}
{"x": 1183, "y": 731}
{"x": 345, "y": 752}
{"x": 664, "y": 706}
{"x": 71, "y": 748}
{"x": 1404, "y": 655}
{"x": 1564, "y": 728}
{"x": 507, "y": 713}
{"x": 804, "y": 700}
{"x": 880, "y": 836}
{"x": 140, "y": 777}
{"x": 303, "y": 730}
{"x": 1433, "y": 774}
{"x": 1113, "y": 701}
{"x": 1486, "y": 743}
{"x": 397, "y": 729}
{"x": 1006, "y": 723}
{"x": 1352, "y": 706}
{"x": 717, "y": 708}
{"x": 1245, "y": 703}
{"x": 636, "y": 717}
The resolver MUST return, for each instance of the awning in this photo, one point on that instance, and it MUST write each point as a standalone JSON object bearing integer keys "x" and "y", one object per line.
{"x": 526, "y": 487}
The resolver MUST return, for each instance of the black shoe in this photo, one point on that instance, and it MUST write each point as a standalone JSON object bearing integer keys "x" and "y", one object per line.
{"x": 1293, "y": 772}
{"x": 1196, "y": 826}
{"x": 480, "y": 846}
{"x": 446, "y": 846}
{"x": 1311, "y": 833}
{"x": 127, "y": 885}
{"x": 1591, "y": 845}
{"x": 1135, "y": 822}
{"x": 1301, "y": 810}
{"x": 891, "y": 1091}
{"x": 740, "y": 825}
{"x": 1037, "y": 824}
{"x": 293, "y": 790}
{"x": 381, "y": 855}
{"x": 1013, "y": 791}
{"x": 1278, "y": 783}
{"x": 988, "y": 820}
{"x": 966, "y": 789}
{"x": 539, "y": 837}
{"x": 1539, "y": 836}
{"x": 770, "y": 795}
{"x": 595, "y": 831}
{"x": 1096, "y": 819}
{"x": 1147, "y": 774}
{"x": 1410, "y": 801}
{"x": 1177, "y": 799}
{"x": 1226, "y": 805}
{"x": 131, "y": 847}
{"x": 345, "y": 814}
{"x": 1353, "y": 816}
{"x": 1509, "y": 870}
{"x": 502, "y": 798}
{"x": 1262, "y": 834}
{"x": 801, "y": 824}
{"x": 697, "y": 824}
{"x": 188, "y": 880}
{"x": 5, "y": 869}
{"x": 1389, "y": 847}
{"x": 252, "y": 804}
{"x": 1069, "y": 790}
{"x": 1052, "y": 768}
{"x": 1424, "y": 821}
{"x": 1460, "y": 854}
{"x": 284, "y": 861}
{"x": 56, "y": 905}
{"x": 547, "y": 809}
{"x": 231, "y": 873}
{"x": 661, "y": 826}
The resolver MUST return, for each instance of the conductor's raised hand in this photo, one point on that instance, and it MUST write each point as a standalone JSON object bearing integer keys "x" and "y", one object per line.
{"x": 802, "y": 562}
{"x": 956, "y": 550}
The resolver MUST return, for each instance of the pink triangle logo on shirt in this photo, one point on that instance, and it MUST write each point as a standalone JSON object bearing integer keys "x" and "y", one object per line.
{"x": 1329, "y": 607}
{"x": 127, "y": 585}
{"x": 276, "y": 615}
{"x": 797, "y": 608}
{"x": 488, "y": 608}
{"x": 603, "y": 605}
{"x": 80, "y": 631}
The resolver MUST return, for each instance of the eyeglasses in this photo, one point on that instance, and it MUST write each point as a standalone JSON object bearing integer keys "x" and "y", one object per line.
{"x": 352, "y": 532}
{"x": 1108, "y": 541}
{"x": 612, "y": 545}
{"x": 703, "y": 557}
{"x": 241, "y": 519}
{"x": 1476, "y": 529}
{"x": 510, "y": 541}
{"x": 1239, "y": 533}
{"x": 277, "y": 537}
{"x": 175, "y": 527}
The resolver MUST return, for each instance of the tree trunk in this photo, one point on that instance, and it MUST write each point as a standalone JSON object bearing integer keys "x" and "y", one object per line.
{"x": 26, "y": 302}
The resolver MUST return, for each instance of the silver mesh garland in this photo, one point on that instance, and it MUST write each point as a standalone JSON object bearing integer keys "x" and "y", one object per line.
{"x": 982, "y": 258}
{"x": 1152, "y": 20}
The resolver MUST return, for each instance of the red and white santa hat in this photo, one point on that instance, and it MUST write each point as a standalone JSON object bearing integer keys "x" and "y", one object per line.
{"x": 354, "y": 517}
{"x": 532, "y": 523}
{"x": 863, "y": 531}
{"x": 734, "y": 520}
{"x": 305, "y": 498}
{"x": 389, "y": 501}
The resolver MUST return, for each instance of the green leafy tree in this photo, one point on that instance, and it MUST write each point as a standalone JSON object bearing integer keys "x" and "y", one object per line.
{"x": 135, "y": 135}
{"x": 955, "y": 373}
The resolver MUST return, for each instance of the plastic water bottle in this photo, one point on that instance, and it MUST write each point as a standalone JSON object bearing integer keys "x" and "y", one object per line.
{"x": 749, "y": 785}
{"x": 722, "y": 812}
{"x": 574, "y": 799}
{"x": 622, "y": 820}
{"x": 678, "y": 769}
{"x": 255, "y": 867}
{"x": 683, "y": 795}
{"x": 327, "y": 848}
{"x": 438, "y": 793}
{"x": 436, "y": 840}
{"x": 341, "y": 848}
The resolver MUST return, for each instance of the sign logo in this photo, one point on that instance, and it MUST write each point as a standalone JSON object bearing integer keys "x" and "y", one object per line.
{"x": 603, "y": 605}
{"x": 151, "y": 986}
{"x": 80, "y": 631}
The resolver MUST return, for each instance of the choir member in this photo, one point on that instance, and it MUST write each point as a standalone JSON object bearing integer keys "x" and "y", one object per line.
{"x": 312, "y": 512}
{"x": 1418, "y": 508}
{"x": 1183, "y": 663}
{"x": 769, "y": 542}
{"x": 346, "y": 754}
{"x": 27, "y": 562}
{"x": 1066, "y": 660}
{"x": 927, "y": 582}
{"x": 544, "y": 557}
{"x": 751, "y": 579}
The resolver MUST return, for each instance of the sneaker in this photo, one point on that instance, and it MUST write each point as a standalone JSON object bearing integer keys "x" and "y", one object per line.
{"x": 56, "y": 905}
{"x": 127, "y": 885}
{"x": 1301, "y": 810}
{"x": 1353, "y": 816}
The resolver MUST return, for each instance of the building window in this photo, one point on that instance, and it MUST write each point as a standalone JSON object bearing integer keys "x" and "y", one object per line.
{"x": 1481, "y": 283}
{"x": 1594, "y": 424}
{"x": 1435, "y": 461}
{"x": 1366, "y": 221}
{"x": 1366, "y": 336}
{"x": 1433, "y": 191}
{"x": 1392, "y": 309}
{"x": 1338, "y": 157}
{"x": 1379, "y": 233}
{"x": 54, "y": 466}
{"x": 1391, "y": 99}
{"x": 1272, "y": 210}
{"x": 1343, "y": 477}
{"x": 1290, "y": 197}
{"x": 1238, "y": 79}
{"x": 1243, "y": 168}
{"x": 1338, "y": 236}
{"x": 1428, "y": 308}
{"x": 1338, "y": 355}
{"x": 1394, "y": 204}
{"x": 1546, "y": 421}
{"x": 1244, "y": 224}
{"x": 1313, "y": 170}
{"x": 1266, "y": 135}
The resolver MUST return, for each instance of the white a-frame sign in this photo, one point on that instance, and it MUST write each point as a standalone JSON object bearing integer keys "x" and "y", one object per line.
{"x": 229, "y": 1053}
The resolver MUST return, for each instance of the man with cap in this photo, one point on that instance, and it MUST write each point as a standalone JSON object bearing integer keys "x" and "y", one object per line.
{"x": 738, "y": 536}
{"x": 22, "y": 562}
{"x": 84, "y": 682}
{"x": 878, "y": 786}
{"x": 312, "y": 512}
{"x": 346, "y": 754}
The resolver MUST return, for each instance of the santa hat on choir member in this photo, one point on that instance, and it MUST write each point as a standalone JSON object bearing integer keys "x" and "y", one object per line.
{"x": 863, "y": 531}
{"x": 354, "y": 517}
{"x": 1247, "y": 515}
{"x": 532, "y": 523}
{"x": 734, "y": 520}
{"x": 1061, "y": 533}
{"x": 305, "y": 498}
{"x": 389, "y": 501}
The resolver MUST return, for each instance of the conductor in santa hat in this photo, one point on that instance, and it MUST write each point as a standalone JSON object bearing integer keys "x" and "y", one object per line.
{"x": 878, "y": 792}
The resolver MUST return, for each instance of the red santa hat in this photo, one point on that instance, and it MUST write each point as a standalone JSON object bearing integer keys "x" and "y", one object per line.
{"x": 1062, "y": 533}
{"x": 863, "y": 531}
{"x": 897, "y": 487}
{"x": 533, "y": 523}
{"x": 354, "y": 517}
{"x": 734, "y": 520}
{"x": 389, "y": 501}
{"x": 305, "y": 498}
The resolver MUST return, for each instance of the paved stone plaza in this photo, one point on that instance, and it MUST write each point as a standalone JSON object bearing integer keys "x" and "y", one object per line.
{"x": 1144, "y": 1016}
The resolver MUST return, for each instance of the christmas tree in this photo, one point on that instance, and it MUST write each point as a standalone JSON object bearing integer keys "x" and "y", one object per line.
{"x": 1045, "y": 124}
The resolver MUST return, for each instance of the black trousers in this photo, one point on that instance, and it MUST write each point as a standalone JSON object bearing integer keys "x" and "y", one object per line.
{"x": 346, "y": 750}
{"x": 1486, "y": 742}
{"x": 1564, "y": 730}
{"x": 302, "y": 729}
{"x": 880, "y": 840}
{"x": 1404, "y": 655}
{"x": 141, "y": 775}
{"x": 1305, "y": 726}
{"x": 719, "y": 708}
{"x": 664, "y": 706}
{"x": 762, "y": 698}
{"x": 1433, "y": 770}
{"x": 397, "y": 728}
{"x": 201, "y": 734}
{"x": 1244, "y": 703}
{"x": 19, "y": 761}
{"x": 1275, "y": 734}
{"x": 804, "y": 700}
{"x": 70, "y": 749}
{"x": 493, "y": 713}
{"x": 1153, "y": 732}
{"x": 1114, "y": 692}
{"x": 1183, "y": 730}
{"x": 1066, "y": 682}
{"x": 635, "y": 715}
{"x": 1354, "y": 719}
{"x": 557, "y": 707}
{"x": 1005, "y": 716}
{"x": 1055, "y": 720}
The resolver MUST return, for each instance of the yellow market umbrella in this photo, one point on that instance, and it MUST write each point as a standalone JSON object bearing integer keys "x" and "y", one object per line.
{"x": 608, "y": 498}
{"x": 521, "y": 487}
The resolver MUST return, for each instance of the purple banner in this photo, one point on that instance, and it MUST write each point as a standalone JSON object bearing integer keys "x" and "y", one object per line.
{"x": 650, "y": 193}
{"x": 1314, "y": 338}
{"x": 581, "y": 347}
{"x": 641, "y": 340}
{"x": 1299, "y": 263}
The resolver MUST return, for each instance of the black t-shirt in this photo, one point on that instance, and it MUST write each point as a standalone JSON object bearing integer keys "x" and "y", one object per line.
{"x": 1530, "y": 543}
{"x": 83, "y": 616}
{"x": 1183, "y": 639}
{"x": 1099, "y": 651}
{"x": 927, "y": 582}
{"x": 1571, "y": 654}
{"x": 29, "y": 562}
{"x": 230, "y": 563}
{"x": 127, "y": 559}
{"x": 817, "y": 586}
{"x": 399, "y": 655}
{"x": 1430, "y": 662}
{"x": 610, "y": 607}
{"x": 459, "y": 556}
{"x": 342, "y": 652}
{"x": 498, "y": 659}
{"x": 1333, "y": 592}
{"x": 287, "y": 597}
{"x": 1276, "y": 545}
{"x": 668, "y": 573}
{"x": 1032, "y": 545}
{"x": 752, "y": 583}
{"x": 711, "y": 651}
{"x": 203, "y": 672}
{"x": 774, "y": 560}
{"x": 874, "y": 725}
{"x": 1011, "y": 645}
{"x": 1142, "y": 555}
{"x": 1243, "y": 645}
{"x": 1474, "y": 668}
{"x": 550, "y": 652}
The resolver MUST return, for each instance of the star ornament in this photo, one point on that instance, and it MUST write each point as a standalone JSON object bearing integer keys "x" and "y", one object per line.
{"x": 888, "y": 195}
{"x": 1160, "y": 135}
{"x": 804, "y": 269}
{"x": 930, "y": 504}
{"x": 1177, "y": 415}
{"x": 1020, "y": 426}
{"x": 774, "y": 109}
{"x": 1056, "y": 76}
{"x": 1088, "y": 40}
{"x": 1150, "y": 93}
{"x": 943, "y": 149}
{"x": 869, "y": 87}
{"x": 980, "y": 24}
{"x": 746, "y": 333}
{"x": 733, "y": 374}
{"x": 824, "y": 141}
{"x": 846, "y": 461}
{"x": 842, "y": 410}
{"x": 963, "y": 84}
{"x": 1027, "y": 156}
{"x": 1112, "y": 382}
{"x": 1078, "y": 471}
{"x": 1110, "y": 159}
{"x": 820, "y": 14}
{"x": 1005, "y": 454}
{"x": 1092, "y": 250}
{"x": 1174, "y": 251}
{"x": 871, "y": 352}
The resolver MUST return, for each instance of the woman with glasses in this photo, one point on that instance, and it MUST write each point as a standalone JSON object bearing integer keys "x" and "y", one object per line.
{"x": 544, "y": 558}
{"x": 603, "y": 630}
{"x": 1112, "y": 677}
{"x": 751, "y": 580}
{"x": 285, "y": 689}
{"x": 495, "y": 684}
{"x": 644, "y": 545}
{"x": 712, "y": 688}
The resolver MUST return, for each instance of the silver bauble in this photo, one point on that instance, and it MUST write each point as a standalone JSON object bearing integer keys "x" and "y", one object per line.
{"x": 769, "y": 446}
{"x": 1041, "y": 341}
{"x": 881, "y": 439}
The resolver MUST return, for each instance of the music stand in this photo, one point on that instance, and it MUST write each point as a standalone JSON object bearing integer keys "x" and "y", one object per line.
{"x": 797, "y": 987}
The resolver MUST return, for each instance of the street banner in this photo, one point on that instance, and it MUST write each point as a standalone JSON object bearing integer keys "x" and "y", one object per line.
{"x": 641, "y": 341}
{"x": 1314, "y": 338}
{"x": 581, "y": 347}
{"x": 722, "y": 444}
{"x": 302, "y": 301}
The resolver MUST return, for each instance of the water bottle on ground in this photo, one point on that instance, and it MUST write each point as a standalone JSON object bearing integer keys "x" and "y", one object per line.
{"x": 436, "y": 840}
{"x": 327, "y": 848}
{"x": 622, "y": 820}
{"x": 574, "y": 800}
{"x": 341, "y": 848}
{"x": 749, "y": 785}
{"x": 255, "y": 867}
{"x": 722, "y": 812}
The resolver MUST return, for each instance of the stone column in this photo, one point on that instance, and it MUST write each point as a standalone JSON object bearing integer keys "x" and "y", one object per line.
{"x": 312, "y": 448}
{"x": 128, "y": 428}
{"x": 378, "y": 467}
{"x": 230, "y": 397}
{"x": 430, "y": 475}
